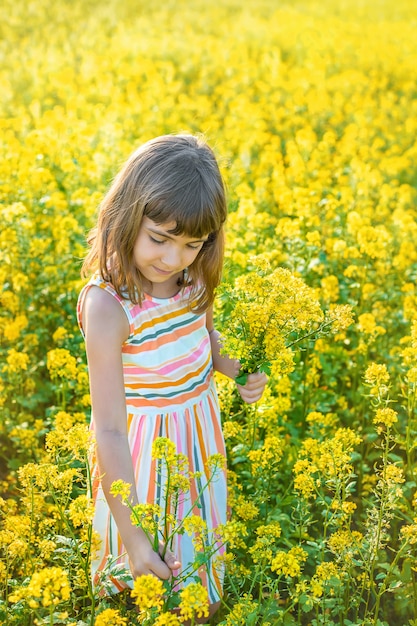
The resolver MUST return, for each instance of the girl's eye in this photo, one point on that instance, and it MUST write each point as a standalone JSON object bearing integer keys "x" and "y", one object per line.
{"x": 156, "y": 240}
{"x": 195, "y": 246}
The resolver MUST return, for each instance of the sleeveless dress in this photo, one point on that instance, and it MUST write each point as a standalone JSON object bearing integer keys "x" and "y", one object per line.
{"x": 170, "y": 392}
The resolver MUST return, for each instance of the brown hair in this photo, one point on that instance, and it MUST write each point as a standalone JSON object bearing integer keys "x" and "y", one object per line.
{"x": 170, "y": 178}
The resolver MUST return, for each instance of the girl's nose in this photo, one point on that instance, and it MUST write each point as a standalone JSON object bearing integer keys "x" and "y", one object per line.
{"x": 172, "y": 257}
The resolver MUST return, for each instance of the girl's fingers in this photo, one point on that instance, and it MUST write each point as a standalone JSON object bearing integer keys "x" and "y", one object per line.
{"x": 155, "y": 565}
{"x": 160, "y": 569}
{"x": 253, "y": 390}
{"x": 171, "y": 560}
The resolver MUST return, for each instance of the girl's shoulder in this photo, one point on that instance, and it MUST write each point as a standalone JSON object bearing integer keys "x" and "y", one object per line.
{"x": 103, "y": 297}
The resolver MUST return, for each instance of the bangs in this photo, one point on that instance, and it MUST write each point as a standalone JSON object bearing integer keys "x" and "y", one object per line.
{"x": 191, "y": 221}
{"x": 196, "y": 210}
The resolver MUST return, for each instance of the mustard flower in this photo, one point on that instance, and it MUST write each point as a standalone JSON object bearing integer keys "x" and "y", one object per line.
{"x": 271, "y": 531}
{"x": 345, "y": 541}
{"x": 261, "y": 550}
{"x": 164, "y": 449}
{"x": 386, "y": 416}
{"x": 110, "y": 617}
{"x": 61, "y": 364}
{"x": 409, "y": 532}
{"x": 289, "y": 563}
{"x": 245, "y": 508}
{"x": 194, "y": 524}
{"x": 148, "y": 592}
{"x": 167, "y": 619}
{"x": 326, "y": 571}
{"x": 80, "y": 511}
{"x": 194, "y": 601}
{"x": 216, "y": 462}
{"x": 316, "y": 588}
{"x": 59, "y": 334}
{"x": 48, "y": 586}
{"x": 16, "y": 362}
{"x": 147, "y": 516}
{"x": 392, "y": 474}
{"x": 240, "y": 612}
{"x": 121, "y": 488}
{"x": 13, "y": 330}
{"x": 230, "y": 429}
{"x": 233, "y": 533}
{"x": 377, "y": 375}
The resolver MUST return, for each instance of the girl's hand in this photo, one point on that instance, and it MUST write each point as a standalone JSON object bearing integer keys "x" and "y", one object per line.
{"x": 149, "y": 562}
{"x": 253, "y": 389}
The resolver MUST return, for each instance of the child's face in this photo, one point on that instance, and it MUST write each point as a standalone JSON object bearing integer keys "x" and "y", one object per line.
{"x": 161, "y": 256}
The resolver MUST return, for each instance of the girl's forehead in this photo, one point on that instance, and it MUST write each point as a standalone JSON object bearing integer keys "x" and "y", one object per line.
{"x": 166, "y": 226}
{"x": 169, "y": 228}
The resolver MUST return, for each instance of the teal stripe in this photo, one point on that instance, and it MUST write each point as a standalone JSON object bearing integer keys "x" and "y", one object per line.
{"x": 172, "y": 394}
{"x": 163, "y": 331}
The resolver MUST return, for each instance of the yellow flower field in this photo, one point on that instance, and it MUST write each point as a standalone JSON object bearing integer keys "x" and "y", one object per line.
{"x": 311, "y": 108}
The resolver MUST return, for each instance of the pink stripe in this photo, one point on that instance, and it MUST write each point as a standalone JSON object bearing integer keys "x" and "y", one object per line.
{"x": 171, "y": 367}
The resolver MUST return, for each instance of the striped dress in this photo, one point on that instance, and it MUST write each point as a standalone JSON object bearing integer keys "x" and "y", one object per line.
{"x": 170, "y": 392}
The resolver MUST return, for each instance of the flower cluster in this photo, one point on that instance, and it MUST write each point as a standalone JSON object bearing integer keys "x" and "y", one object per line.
{"x": 270, "y": 311}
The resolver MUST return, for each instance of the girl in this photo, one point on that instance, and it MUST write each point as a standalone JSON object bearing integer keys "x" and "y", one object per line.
{"x": 146, "y": 315}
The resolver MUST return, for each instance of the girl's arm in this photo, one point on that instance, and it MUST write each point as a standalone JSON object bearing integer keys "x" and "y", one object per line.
{"x": 254, "y": 388}
{"x": 106, "y": 328}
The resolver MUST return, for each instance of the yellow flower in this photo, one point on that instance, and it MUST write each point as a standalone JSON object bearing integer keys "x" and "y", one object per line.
{"x": 304, "y": 483}
{"x": 14, "y": 329}
{"x": 326, "y": 571}
{"x": 110, "y": 617}
{"x": 194, "y": 524}
{"x": 268, "y": 456}
{"x": 59, "y": 334}
{"x": 216, "y": 462}
{"x": 233, "y": 533}
{"x": 348, "y": 507}
{"x": 194, "y": 601}
{"x": 345, "y": 541}
{"x": 47, "y": 587}
{"x": 245, "y": 509}
{"x": 316, "y": 588}
{"x": 230, "y": 429}
{"x": 81, "y": 511}
{"x": 313, "y": 238}
{"x": 261, "y": 550}
{"x": 240, "y": 612}
{"x": 330, "y": 288}
{"x": 121, "y": 488}
{"x": 376, "y": 375}
{"x": 409, "y": 532}
{"x": 16, "y": 361}
{"x": 386, "y": 416}
{"x": 146, "y": 516}
{"x": 167, "y": 619}
{"x": 164, "y": 449}
{"x": 61, "y": 364}
{"x": 271, "y": 531}
{"x": 148, "y": 592}
{"x": 289, "y": 563}
{"x": 393, "y": 474}
{"x": 63, "y": 421}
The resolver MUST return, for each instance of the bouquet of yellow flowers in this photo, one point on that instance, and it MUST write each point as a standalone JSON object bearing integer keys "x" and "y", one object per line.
{"x": 272, "y": 310}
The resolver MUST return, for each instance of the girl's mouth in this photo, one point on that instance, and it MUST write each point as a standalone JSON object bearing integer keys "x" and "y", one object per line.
{"x": 162, "y": 272}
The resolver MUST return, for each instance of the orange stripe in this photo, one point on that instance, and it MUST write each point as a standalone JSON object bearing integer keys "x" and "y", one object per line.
{"x": 178, "y": 383}
{"x": 151, "y": 323}
{"x": 162, "y": 340}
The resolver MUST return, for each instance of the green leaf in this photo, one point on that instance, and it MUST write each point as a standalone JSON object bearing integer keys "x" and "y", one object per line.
{"x": 242, "y": 379}
{"x": 266, "y": 368}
